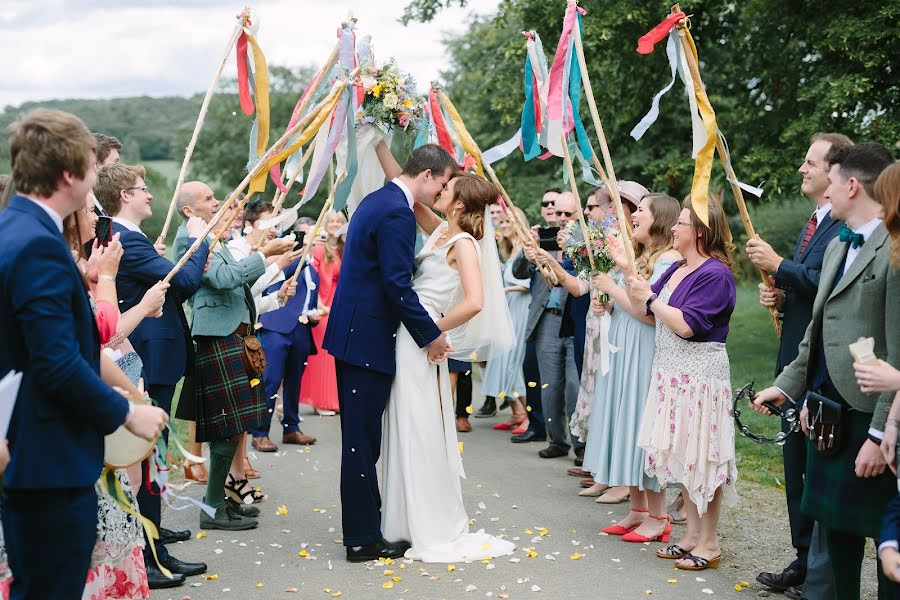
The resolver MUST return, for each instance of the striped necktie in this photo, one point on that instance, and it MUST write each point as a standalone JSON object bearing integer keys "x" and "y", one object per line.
{"x": 809, "y": 232}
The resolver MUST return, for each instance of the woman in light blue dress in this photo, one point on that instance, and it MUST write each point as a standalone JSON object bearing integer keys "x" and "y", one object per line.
{"x": 612, "y": 454}
{"x": 503, "y": 376}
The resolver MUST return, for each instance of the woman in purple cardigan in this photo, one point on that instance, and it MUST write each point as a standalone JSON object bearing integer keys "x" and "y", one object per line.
{"x": 687, "y": 428}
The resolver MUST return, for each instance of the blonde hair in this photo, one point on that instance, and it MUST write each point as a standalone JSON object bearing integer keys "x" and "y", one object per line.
{"x": 887, "y": 194}
{"x": 506, "y": 244}
{"x": 332, "y": 255}
{"x": 112, "y": 180}
{"x": 475, "y": 193}
{"x": 665, "y": 211}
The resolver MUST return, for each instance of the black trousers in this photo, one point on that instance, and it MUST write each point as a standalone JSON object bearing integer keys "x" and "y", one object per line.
{"x": 794, "y": 456}
{"x": 149, "y": 500}
{"x": 847, "y": 552}
{"x": 533, "y": 393}
{"x": 463, "y": 393}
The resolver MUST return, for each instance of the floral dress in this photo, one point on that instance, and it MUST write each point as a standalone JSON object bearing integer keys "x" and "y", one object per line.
{"x": 581, "y": 417}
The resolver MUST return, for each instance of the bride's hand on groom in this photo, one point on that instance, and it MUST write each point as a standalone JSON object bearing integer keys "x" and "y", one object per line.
{"x": 438, "y": 349}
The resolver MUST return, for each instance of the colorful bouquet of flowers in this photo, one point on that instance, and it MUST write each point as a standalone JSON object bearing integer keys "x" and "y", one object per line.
{"x": 391, "y": 100}
{"x": 597, "y": 247}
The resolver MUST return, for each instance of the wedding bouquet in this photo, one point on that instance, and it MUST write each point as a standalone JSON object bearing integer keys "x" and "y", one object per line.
{"x": 391, "y": 100}
{"x": 580, "y": 251}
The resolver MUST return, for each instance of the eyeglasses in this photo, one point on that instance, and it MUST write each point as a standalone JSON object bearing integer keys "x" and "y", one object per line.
{"x": 683, "y": 224}
{"x": 546, "y": 203}
{"x": 590, "y": 207}
{"x": 568, "y": 213}
{"x": 143, "y": 188}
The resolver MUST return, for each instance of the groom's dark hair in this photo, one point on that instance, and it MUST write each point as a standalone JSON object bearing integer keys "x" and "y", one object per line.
{"x": 429, "y": 156}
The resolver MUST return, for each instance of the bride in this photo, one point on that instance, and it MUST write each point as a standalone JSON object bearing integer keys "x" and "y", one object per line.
{"x": 457, "y": 279}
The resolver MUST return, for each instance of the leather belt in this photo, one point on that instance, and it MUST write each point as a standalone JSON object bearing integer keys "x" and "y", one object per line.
{"x": 554, "y": 311}
{"x": 243, "y": 330}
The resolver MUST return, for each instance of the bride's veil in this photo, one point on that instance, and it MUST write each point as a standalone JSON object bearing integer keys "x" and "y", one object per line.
{"x": 490, "y": 333}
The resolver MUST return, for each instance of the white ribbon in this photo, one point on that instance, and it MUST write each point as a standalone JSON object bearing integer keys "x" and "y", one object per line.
{"x": 650, "y": 118}
{"x": 606, "y": 348}
{"x": 756, "y": 191}
{"x": 501, "y": 151}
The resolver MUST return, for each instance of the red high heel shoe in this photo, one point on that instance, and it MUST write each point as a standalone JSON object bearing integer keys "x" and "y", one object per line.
{"x": 618, "y": 529}
{"x": 508, "y": 426}
{"x": 664, "y": 535}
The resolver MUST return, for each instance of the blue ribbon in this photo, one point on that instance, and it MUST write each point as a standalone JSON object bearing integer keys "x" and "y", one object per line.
{"x": 575, "y": 96}
{"x": 531, "y": 145}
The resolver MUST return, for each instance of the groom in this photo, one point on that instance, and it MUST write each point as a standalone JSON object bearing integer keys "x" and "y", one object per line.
{"x": 374, "y": 295}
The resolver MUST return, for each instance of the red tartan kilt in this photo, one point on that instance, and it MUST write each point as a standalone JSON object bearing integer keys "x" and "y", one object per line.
{"x": 226, "y": 403}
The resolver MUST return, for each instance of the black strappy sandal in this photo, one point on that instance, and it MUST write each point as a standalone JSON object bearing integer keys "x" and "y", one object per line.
{"x": 234, "y": 487}
{"x": 698, "y": 563}
{"x": 672, "y": 552}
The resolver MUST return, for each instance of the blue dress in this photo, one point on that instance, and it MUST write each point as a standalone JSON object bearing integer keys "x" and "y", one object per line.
{"x": 503, "y": 375}
{"x": 612, "y": 453}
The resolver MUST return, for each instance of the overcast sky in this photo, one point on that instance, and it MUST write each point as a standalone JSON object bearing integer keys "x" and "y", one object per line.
{"x": 93, "y": 49}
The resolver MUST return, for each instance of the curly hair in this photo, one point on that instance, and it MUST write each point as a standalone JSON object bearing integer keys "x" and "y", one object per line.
{"x": 475, "y": 193}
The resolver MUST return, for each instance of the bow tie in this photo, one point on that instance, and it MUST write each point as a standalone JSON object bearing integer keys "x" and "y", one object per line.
{"x": 856, "y": 240}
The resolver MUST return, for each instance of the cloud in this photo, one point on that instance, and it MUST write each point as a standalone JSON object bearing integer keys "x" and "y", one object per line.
{"x": 87, "y": 49}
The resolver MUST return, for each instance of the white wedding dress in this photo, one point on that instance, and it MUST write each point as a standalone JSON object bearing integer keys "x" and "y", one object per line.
{"x": 422, "y": 466}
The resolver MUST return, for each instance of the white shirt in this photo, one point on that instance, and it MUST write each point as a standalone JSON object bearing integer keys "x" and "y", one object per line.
{"x": 240, "y": 249}
{"x": 128, "y": 225}
{"x": 406, "y": 191}
{"x": 821, "y": 213}
{"x": 866, "y": 231}
{"x": 57, "y": 220}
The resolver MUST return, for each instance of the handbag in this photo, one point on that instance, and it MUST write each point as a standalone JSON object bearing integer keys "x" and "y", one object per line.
{"x": 826, "y": 423}
{"x": 254, "y": 356}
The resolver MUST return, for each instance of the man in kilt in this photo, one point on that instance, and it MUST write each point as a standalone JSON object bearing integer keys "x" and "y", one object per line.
{"x": 229, "y": 396}
{"x": 847, "y": 492}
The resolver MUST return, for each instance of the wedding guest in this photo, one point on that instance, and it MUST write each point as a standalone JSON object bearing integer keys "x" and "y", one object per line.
{"x": 503, "y": 377}
{"x": 687, "y": 430}
{"x": 49, "y": 489}
{"x": 612, "y": 453}
{"x": 795, "y": 283}
{"x": 163, "y": 344}
{"x": 319, "y": 385}
{"x": 107, "y": 149}
{"x": 847, "y": 491}
{"x": 555, "y": 351}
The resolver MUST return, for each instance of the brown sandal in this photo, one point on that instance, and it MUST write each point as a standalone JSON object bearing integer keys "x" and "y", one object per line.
{"x": 249, "y": 471}
{"x": 195, "y": 472}
{"x": 698, "y": 563}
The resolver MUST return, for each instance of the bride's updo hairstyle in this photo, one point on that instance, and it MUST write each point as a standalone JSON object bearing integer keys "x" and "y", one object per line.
{"x": 475, "y": 193}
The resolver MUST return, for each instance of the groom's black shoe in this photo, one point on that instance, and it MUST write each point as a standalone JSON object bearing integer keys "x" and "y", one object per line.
{"x": 380, "y": 549}
{"x": 528, "y": 436}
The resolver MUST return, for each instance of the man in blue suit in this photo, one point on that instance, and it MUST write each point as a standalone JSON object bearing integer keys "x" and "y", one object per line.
{"x": 63, "y": 408}
{"x": 374, "y": 295}
{"x": 164, "y": 344}
{"x": 287, "y": 340}
{"x": 796, "y": 283}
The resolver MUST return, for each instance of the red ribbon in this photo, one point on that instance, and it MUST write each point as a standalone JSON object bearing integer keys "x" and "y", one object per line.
{"x": 243, "y": 76}
{"x": 658, "y": 33}
{"x": 440, "y": 126}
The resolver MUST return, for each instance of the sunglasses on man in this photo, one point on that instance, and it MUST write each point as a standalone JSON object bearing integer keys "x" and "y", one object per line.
{"x": 568, "y": 213}
{"x": 546, "y": 203}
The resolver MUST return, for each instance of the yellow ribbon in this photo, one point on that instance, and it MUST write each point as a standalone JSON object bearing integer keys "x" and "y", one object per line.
{"x": 703, "y": 162}
{"x": 261, "y": 77}
{"x": 258, "y": 183}
{"x": 465, "y": 139}
{"x": 121, "y": 500}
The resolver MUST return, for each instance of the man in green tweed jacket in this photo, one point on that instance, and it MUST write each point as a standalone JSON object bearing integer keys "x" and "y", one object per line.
{"x": 859, "y": 296}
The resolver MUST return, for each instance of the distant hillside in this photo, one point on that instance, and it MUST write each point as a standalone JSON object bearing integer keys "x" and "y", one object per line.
{"x": 147, "y": 126}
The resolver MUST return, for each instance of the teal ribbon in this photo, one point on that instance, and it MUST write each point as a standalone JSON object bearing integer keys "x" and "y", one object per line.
{"x": 531, "y": 145}
{"x": 575, "y": 96}
{"x": 342, "y": 191}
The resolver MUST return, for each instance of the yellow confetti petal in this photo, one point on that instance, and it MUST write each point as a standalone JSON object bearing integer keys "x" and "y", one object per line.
{"x": 501, "y": 394}
{"x": 648, "y": 592}
{"x": 259, "y": 585}
{"x": 471, "y": 521}
{"x": 485, "y": 561}
{"x": 671, "y": 580}
{"x": 387, "y": 585}
{"x": 402, "y": 566}
{"x": 745, "y": 584}
{"x": 528, "y": 408}
{"x": 327, "y": 590}
{"x": 469, "y": 410}
{"x": 317, "y": 510}
{"x": 474, "y": 356}
{"x": 254, "y": 382}
{"x": 211, "y": 576}
{"x": 532, "y": 384}
{"x": 303, "y": 553}
{"x": 542, "y": 531}
{"x": 388, "y": 572}
{"x": 575, "y": 556}
{"x": 529, "y": 532}
{"x": 396, "y": 579}
{"x": 451, "y": 568}
{"x": 469, "y": 371}
{"x": 545, "y": 386}
{"x": 281, "y": 510}
{"x": 531, "y": 554}
{"x": 460, "y": 445}
{"x": 336, "y": 595}
{"x": 738, "y": 588}
{"x": 389, "y": 561}
{"x": 201, "y": 535}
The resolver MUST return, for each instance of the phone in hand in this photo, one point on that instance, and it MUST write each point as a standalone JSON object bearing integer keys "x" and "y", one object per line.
{"x": 103, "y": 230}
{"x": 547, "y": 238}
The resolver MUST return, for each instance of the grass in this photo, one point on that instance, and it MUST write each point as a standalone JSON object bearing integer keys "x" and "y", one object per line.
{"x": 752, "y": 348}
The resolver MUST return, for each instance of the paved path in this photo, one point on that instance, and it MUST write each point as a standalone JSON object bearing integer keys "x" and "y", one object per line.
{"x": 509, "y": 490}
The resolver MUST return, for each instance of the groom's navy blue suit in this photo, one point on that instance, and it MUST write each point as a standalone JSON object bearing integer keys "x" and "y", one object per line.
{"x": 374, "y": 295}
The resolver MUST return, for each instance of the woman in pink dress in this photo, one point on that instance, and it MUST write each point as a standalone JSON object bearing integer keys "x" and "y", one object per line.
{"x": 319, "y": 386}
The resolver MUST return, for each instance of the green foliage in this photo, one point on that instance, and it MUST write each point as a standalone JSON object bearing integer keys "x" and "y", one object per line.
{"x": 777, "y": 72}
{"x": 425, "y": 10}
{"x": 779, "y": 222}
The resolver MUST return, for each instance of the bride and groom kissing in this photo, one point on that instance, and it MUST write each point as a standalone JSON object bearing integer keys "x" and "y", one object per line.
{"x": 395, "y": 319}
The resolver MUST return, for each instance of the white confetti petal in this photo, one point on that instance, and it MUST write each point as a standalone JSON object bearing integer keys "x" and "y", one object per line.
{"x": 471, "y": 588}
{"x": 535, "y": 588}
{"x": 707, "y": 591}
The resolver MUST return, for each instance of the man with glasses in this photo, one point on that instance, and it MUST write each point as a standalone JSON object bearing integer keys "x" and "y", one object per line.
{"x": 164, "y": 344}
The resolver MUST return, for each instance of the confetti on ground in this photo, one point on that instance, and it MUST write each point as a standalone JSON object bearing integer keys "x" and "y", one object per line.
{"x": 260, "y": 585}
{"x": 471, "y": 588}
{"x": 451, "y": 568}
{"x": 707, "y": 591}
{"x": 387, "y": 585}
{"x": 575, "y": 556}
{"x": 201, "y": 535}
{"x": 543, "y": 531}
{"x": 671, "y": 580}
{"x": 211, "y": 576}
{"x": 469, "y": 409}
{"x": 388, "y": 573}
{"x": 291, "y": 590}
{"x": 530, "y": 554}
{"x": 303, "y": 554}
{"x": 535, "y": 588}
{"x": 282, "y": 510}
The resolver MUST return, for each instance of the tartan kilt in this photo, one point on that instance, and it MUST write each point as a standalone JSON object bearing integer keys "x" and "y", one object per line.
{"x": 835, "y": 496}
{"x": 226, "y": 403}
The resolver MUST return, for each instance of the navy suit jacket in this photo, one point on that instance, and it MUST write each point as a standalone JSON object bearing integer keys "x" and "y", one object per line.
{"x": 799, "y": 278}
{"x": 890, "y": 527}
{"x": 374, "y": 293}
{"x": 164, "y": 344}
{"x": 49, "y": 333}
{"x": 287, "y": 318}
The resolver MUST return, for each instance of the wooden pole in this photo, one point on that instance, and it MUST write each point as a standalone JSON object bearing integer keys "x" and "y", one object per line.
{"x": 314, "y": 232}
{"x": 280, "y": 196}
{"x": 257, "y": 168}
{"x": 197, "y": 127}
{"x": 694, "y": 68}
{"x": 611, "y": 183}
{"x": 574, "y": 187}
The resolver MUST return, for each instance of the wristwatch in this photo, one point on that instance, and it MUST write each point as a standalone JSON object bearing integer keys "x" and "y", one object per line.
{"x": 649, "y": 301}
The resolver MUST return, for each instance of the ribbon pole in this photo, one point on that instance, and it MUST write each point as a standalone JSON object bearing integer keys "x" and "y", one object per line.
{"x": 574, "y": 186}
{"x": 258, "y": 168}
{"x": 280, "y": 196}
{"x": 197, "y": 127}
{"x": 609, "y": 177}
{"x": 548, "y": 273}
{"x": 314, "y": 232}
{"x": 687, "y": 44}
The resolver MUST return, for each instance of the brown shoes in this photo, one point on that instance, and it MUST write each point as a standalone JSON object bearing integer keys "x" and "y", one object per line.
{"x": 264, "y": 444}
{"x": 463, "y": 425}
{"x": 298, "y": 437}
